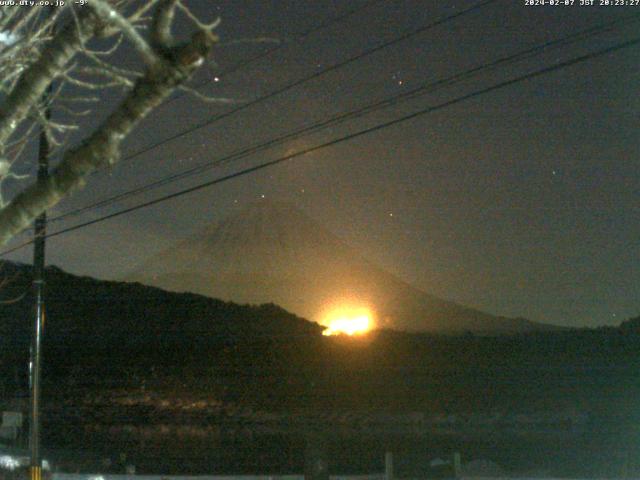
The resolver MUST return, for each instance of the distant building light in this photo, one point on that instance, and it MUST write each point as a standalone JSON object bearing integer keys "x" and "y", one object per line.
{"x": 7, "y": 461}
{"x": 11, "y": 463}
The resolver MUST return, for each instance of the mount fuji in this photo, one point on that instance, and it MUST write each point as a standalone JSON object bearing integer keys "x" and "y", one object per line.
{"x": 273, "y": 253}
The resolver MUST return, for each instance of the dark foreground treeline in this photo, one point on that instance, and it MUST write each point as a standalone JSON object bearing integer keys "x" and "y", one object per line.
{"x": 109, "y": 335}
{"x": 127, "y": 355}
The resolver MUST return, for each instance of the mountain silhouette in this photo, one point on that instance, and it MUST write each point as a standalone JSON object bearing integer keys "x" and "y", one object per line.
{"x": 271, "y": 252}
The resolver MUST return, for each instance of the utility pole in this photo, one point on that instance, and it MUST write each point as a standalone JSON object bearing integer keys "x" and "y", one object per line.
{"x": 40, "y": 228}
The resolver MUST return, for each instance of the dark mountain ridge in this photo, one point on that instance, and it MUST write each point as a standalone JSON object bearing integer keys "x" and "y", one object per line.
{"x": 88, "y": 314}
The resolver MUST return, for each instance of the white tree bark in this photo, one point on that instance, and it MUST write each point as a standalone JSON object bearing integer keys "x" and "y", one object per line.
{"x": 167, "y": 67}
{"x": 36, "y": 79}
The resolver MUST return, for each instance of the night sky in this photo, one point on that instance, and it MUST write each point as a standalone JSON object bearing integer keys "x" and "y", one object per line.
{"x": 521, "y": 202}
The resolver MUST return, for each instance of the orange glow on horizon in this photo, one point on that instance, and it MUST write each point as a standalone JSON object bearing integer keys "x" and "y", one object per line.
{"x": 348, "y": 321}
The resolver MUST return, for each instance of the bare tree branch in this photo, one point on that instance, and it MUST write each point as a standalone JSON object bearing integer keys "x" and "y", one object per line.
{"x": 163, "y": 74}
{"x": 161, "y": 36}
{"x": 112, "y": 16}
{"x": 208, "y": 98}
{"x": 36, "y": 79}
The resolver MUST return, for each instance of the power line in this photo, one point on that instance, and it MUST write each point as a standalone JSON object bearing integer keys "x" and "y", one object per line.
{"x": 297, "y": 39}
{"x": 214, "y": 119}
{"x": 387, "y": 102}
{"x": 328, "y": 22}
{"x": 366, "y": 131}
{"x": 312, "y": 76}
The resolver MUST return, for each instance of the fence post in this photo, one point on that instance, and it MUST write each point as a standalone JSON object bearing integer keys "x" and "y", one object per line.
{"x": 388, "y": 466}
{"x": 457, "y": 465}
